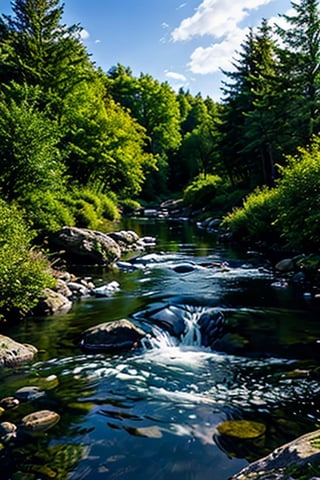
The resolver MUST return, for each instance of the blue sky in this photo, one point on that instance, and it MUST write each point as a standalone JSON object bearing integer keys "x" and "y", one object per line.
{"x": 184, "y": 42}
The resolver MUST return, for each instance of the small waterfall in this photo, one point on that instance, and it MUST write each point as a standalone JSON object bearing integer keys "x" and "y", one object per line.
{"x": 191, "y": 336}
{"x": 159, "y": 340}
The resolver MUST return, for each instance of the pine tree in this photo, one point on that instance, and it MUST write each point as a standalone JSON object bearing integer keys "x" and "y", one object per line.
{"x": 300, "y": 59}
{"x": 38, "y": 49}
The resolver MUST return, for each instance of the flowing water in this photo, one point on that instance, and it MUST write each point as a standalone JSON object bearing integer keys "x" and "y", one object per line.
{"x": 153, "y": 413}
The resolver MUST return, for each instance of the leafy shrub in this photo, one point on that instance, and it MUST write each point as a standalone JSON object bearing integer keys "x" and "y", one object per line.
{"x": 299, "y": 198}
{"x": 255, "y": 220}
{"x": 85, "y": 214}
{"x": 24, "y": 273}
{"x": 227, "y": 199}
{"x": 91, "y": 209}
{"x": 202, "y": 190}
{"x": 47, "y": 212}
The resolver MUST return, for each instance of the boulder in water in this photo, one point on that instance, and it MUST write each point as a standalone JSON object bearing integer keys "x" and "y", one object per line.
{"x": 40, "y": 421}
{"x": 13, "y": 353}
{"x": 91, "y": 246}
{"x": 117, "y": 335}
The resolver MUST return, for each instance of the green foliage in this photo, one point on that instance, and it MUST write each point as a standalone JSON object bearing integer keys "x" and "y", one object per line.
{"x": 91, "y": 209}
{"x": 24, "y": 273}
{"x": 202, "y": 190}
{"x": 227, "y": 199}
{"x": 29, "y": 155}
{"x": 299, "y": 198}
{"x": 47, "y": 211}
{"x": 255, "y": 220}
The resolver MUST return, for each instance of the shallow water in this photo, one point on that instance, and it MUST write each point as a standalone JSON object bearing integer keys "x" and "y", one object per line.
{"x": 153, "y": 413}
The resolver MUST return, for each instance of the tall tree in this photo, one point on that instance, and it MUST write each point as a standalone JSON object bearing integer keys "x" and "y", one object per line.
{"x": 252, "y": 127}
{"x": 39, "y": 49}
{"x": 300, "y": 58}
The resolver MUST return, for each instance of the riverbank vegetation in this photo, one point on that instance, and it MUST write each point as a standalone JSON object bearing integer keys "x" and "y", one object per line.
{"x": 79, "y": 145}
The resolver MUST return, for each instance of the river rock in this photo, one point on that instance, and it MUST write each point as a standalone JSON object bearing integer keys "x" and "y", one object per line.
{"x": 40, "y": 421}
{"x": 8, "y": 431}
{"x": 126, "y": 239}
{"x": 9, "y": 402}
{"x": 89, "y": 246}
{"x": 13, "y": 353}
{"x": 53, "y": 303}
{"x": 286, "y": 265}
{"x": 30, "y": 393}
{"x": 120, "y": 334}
{"x": 171, "y": 319}
{"x": 241, "y": 429}
{"x": 297, "y": 454}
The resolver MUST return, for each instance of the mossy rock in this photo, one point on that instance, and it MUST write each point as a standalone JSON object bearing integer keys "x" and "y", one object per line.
{"x": 242, "y": 429}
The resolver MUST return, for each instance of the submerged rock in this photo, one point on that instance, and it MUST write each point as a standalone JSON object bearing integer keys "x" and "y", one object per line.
{"x": 13, "y": 353}
{"x": 40, "y": 421}
{"x": 241, "y": 429}
{"x": 30, "y": 393}
{"x": 117, "y": 335}
{"x": 8, "y": 431}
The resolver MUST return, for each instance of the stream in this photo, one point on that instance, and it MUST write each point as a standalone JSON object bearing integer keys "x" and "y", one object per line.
{"x": 152, "y": 413}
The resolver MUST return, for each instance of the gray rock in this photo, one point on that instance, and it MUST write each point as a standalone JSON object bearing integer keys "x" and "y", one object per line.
{"x": 30, "y": 393}
{"x": 286, "y": 265}
{"x": 303, "y": 451}
{"x": 120, "y": 334}
{"x": 53, "y": 303}
{"x": 13, "y": 353}
{"x": 89, "y": 246}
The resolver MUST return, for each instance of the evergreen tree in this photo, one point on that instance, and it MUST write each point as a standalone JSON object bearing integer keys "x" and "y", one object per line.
{"x": 39, "y": 50}
{"x": 300, "y": 74}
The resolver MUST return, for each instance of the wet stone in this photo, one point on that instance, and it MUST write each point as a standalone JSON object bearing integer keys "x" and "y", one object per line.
{"x": 40, "y": 421}
{"x": 7, "y": 431}
{"x": 28, "y": 394}
{"x": 9, "y": 402}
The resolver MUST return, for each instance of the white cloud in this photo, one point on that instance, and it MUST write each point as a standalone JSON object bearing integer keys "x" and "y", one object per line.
{"x": 176, "y": 76}
{"x": 221, "y": 20}
{"x": 177, "y": 80}
{"x": 218, "y": 56}
{"x": 216, "y": 18}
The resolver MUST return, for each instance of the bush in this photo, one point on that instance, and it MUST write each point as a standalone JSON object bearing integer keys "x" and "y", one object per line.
{"x": 299, "y": 198}
{"x": 24, "y": 273}
{"x": 256, "y": 219}
{"x": 46, "y": 212}
{"x": 91, "y": 209}
{"x": 202, "y": 191}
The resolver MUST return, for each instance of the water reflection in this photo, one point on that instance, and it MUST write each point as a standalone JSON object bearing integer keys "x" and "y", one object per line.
{"x": 153, "y": 413}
